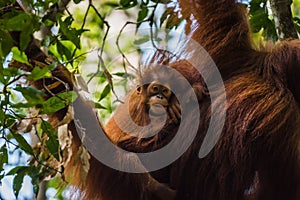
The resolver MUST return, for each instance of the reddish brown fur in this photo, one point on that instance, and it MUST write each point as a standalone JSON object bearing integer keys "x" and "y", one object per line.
{"x": 257, "y": 155}
{"x": 262, "y": 129}
{"x": 139, "y": 112}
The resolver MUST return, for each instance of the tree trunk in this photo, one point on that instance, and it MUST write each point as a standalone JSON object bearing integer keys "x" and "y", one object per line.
{"x": 283, "y": 19}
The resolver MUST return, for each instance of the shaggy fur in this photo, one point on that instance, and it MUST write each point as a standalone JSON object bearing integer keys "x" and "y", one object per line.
{"x": 257, "y": 155}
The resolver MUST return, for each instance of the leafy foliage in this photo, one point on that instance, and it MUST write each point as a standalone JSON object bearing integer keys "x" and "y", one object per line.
{"x": 260, "y": 19}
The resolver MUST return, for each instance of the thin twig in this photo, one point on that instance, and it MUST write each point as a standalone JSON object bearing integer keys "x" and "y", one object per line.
{"x": 34, "y": 156}
{"x": 103, "y": 40}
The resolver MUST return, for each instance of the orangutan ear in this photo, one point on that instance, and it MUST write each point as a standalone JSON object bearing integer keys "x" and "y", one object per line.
{"x": 138, "y": 89}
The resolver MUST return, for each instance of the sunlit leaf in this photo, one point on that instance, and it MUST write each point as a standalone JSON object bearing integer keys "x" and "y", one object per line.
{"x": 105, "y": 92}
{"x": 63, "y": 50}
{"x": 19, "y": 56}
{"x": 99, "y": 106}
{"x": 38, "y": 73}
{"x": 59, "y": 102}
{"x": 70, "y": 33}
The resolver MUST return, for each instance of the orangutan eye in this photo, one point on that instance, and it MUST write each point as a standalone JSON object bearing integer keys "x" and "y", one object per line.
{"x": 155, "y": 88}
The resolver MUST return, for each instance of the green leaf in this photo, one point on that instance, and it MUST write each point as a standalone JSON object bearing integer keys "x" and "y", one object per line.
{"x": 67, "y": 22}
{"x": 10, "y": 72}
{"x": 4, "y": 3}
{"x": 25, "y": 37}
{"x": 69, "y": 96}
{"x": 16, "y": 170}
{"x": 161, "y": 1}
{"x": 3, "y": 80}
{"x": 143, "y": 13}
{"x": 2, "y": 117}
{"x": 20, "y": 172}
{"x": 18, "y": 22}
{"x": 105, "y": 92}
{"x": 35, "y": 181}
{"x": 18, "y": 182}
{"x": 256, "y": 5}
{"x": 99, "y": 106}
{"x": 142, "y": 40}
{"x": 19, "y": 56}
{"x": 123, "y": 74}
{"x": 48, "y": 22}
{"x": 110, "y": 4}
{"x": 297, "y": 19}
{"x": 54, "y": 104}
{"x": 52, "y": 142}
{"x": 38, "y": 73}
{"x": 59, "y": 102}
{"x": 10, "y": 120}
{"x": 126, "y": 4}
{"x": 26, "y": 23}
{"x": 32, "y": 95}
{"x": 297, "y": 27}
{"x": 69, "y": 33}
{"x": 258, "y": 20}
{"x": 76, "y": 1}
{"x": 52, "y": 66}
{"x": 3, "y": 157}
{"x": 270, "y": 30}
{"x": 2, "y": 175}
{"x": 53, "y": 146}
{"x": 23, "y": 105}
{"x": 63, "y": 50}
{"x": 6, "y": 43}
{"x": 23, "y": 144}
{"x": 98, "y": 74}
{"x": 57, "y": 183}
